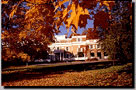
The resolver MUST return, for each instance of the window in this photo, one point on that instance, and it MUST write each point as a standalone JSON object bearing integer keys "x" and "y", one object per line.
{"x": 99, "y": 54}
{"x": 92, "y": 54}
{"x": 91, "y": 46}
{"x": 80, "y": 54}
{"x": 57, "y": 48}
{"x": 98, "y": 46}
{"x": 78, "y": 39}
{"x": 71, "y": 55}
{"x": 67, "y": 55}
{"x": 67, "y": 48}
{"x": 80, "y": 49}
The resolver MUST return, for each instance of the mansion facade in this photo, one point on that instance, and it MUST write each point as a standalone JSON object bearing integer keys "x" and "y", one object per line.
{"x": 75, "y": 48}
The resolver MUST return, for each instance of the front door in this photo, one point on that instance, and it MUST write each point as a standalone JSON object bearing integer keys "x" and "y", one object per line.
{"x": 99, "y": 54}
{"x": 57, "y": 56}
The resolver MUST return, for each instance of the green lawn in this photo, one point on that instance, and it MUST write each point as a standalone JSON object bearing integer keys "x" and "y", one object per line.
{"x": 120, "y": 75}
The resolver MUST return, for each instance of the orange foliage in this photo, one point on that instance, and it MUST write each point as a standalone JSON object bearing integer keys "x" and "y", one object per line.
{"x": 101, "y": 18}
{"x": 37, "y": 23}
{"x": 91, "y": 33}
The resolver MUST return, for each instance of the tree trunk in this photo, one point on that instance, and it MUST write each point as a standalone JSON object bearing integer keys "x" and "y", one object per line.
{"x": 114, "y": 60}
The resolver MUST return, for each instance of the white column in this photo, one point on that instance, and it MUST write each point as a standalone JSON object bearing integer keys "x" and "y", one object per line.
{"x": 84, "y": 52}
{"x": 77, "y": 53}
{"x": 60, "y": 56}
{"x": 63, "y": 56}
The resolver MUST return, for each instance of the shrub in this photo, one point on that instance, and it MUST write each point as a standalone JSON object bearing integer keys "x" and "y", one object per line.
{"x": 92, "y": 59}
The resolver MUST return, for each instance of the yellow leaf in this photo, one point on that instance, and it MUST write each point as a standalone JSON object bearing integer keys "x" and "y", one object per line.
{"x": 30, "y": 12}
{"x": 73, "y": 14}
{"x": 37, "y": 1}
{"x": 37, "y": 30}
{"x": 22, "y": 34}
{"x": 76, "y": 20}
{"x": 100, "y": 3}
{"x": 58, "y": 14}
{"x": 60, "y": 3}
{"x": 65, "y": 12}
{"x": 2, "y": 36}
{"x": 4, "y": 2}
{"x": 12, "y": 12}
{"x": 28, "y": 26}
{"x": 14, "y": 9}
{"x": 29, "y": 4}
{"x": 37, "y": 49}
{"x": 86, "y": 11}
{"x": 107, "y": 3}
{"x": 131, "y": 17}
{"x": 80, "y": 11}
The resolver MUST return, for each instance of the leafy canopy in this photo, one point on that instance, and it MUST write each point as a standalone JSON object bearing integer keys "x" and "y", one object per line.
{"x": 31, "y": 24}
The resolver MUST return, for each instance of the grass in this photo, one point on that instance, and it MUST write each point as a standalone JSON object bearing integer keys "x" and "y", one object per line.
{"x": 117, "y": 68}
{"x": 111, "y": 76}
{"x": 25, "y": 68}
{"x": 14, "y": 69}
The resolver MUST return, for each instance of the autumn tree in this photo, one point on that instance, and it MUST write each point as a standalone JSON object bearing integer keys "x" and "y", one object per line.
{"x": 27, "y": 28}
{"x": 114, "y": 29}
{"x": 117, "y": 39}
{"x": 91, "y": 33}
{"x": 76, "y": 13}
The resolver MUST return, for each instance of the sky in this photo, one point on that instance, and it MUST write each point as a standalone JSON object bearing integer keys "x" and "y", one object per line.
{"x": 63, "y": 29}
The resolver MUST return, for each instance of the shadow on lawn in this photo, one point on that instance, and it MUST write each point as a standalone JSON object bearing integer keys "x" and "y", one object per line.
{"x": 45, "y": 72}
